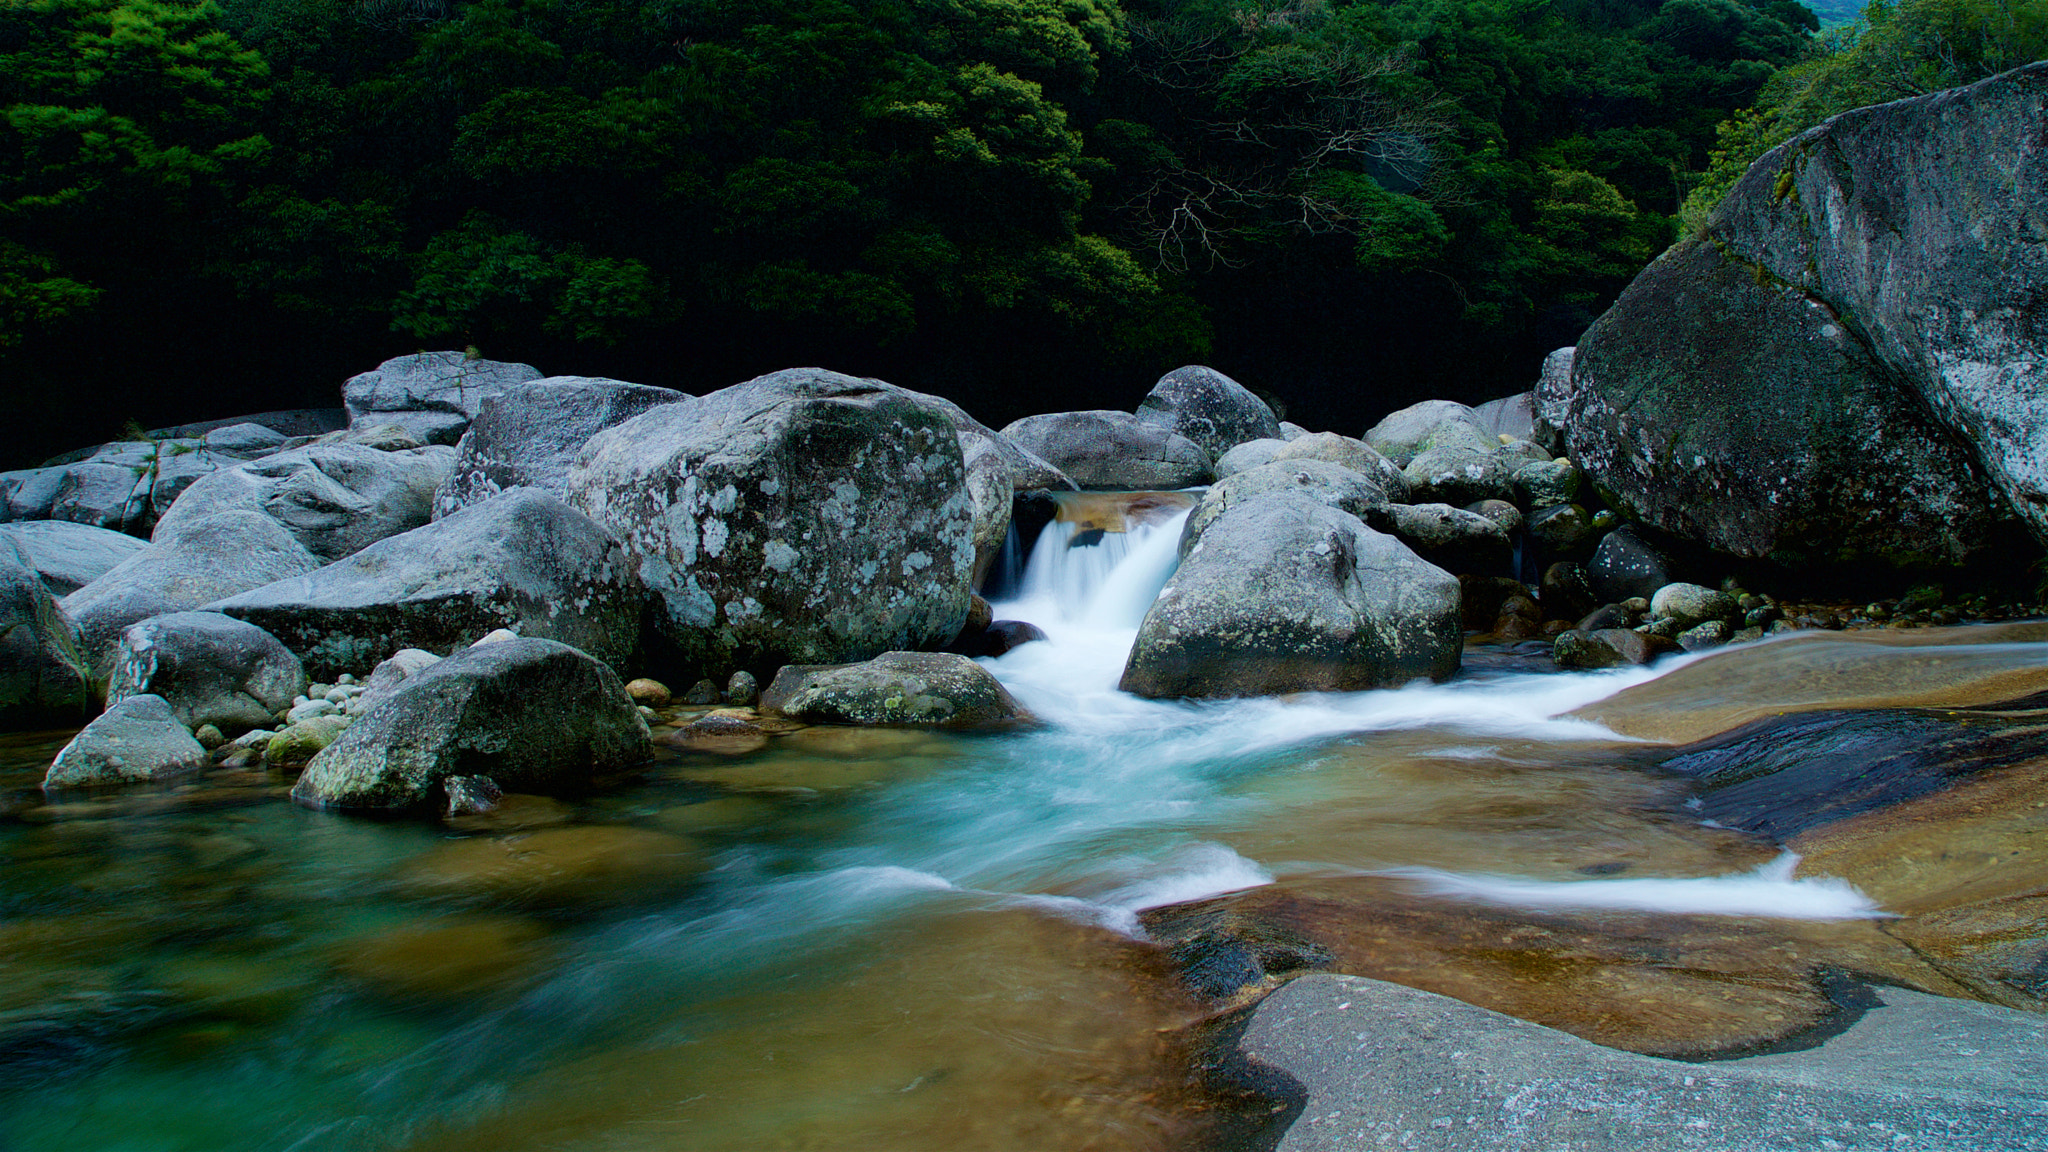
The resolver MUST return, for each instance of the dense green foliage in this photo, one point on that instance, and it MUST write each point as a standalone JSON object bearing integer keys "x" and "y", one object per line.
{"x": 1024, "y": 204}
{"x": 1896, "y": 49}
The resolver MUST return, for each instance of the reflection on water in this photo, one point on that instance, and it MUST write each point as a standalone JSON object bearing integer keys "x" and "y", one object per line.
{"x": 907, "y": 940}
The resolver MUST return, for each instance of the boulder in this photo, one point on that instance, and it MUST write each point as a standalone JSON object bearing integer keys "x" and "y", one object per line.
{"x": 1748, "y": 417}
{"x": 1567, "y": 593}
{"x": 1327, "y": 483}
{"x": 1546, "y": 484}
{"x": 109, "y": 489}
{"x": 246, "y": 440}
{"x": 135, "y": 740}
{"x": 1370, "y": 1063}
{"x": 434, "y": 395}
{"x": 335, "y": 499}
{"x": 1458, "y": 474}
{"x": 1626, "y": 565}
{"x": 1916, "y": 226}
{"x": 1356, "y": 455}
{"x": 802, "y": 517}
{"x": 1450, "y": 538}
{"x": 179, "y": 465}
{"x": 521, "y": 560}
{"x": 196, "y": 562}
{"x": 1551, "y": 400}
{"x": 1690, "y": 604}
{"x": 903, "y": 689}
{"x": 1247, "y": 456}
{"x": 1608, "y": 647}
{"x": 1500, "y": 512}
{"x": 1563, "y": 529}
{"x": 44, "y": 680}
{"x": 1510, "y": 416}
{"x": 528, "y": 435}
{"x": 1209, "y": 408}
{"x": 1284, "y": 593}
{"x": 1403, "y": 435}
{"x": 69, "y": 556}
{"x": 1113, "y": 450}
{"x": 533, "y": 715}
{"x": 209, "y": 669}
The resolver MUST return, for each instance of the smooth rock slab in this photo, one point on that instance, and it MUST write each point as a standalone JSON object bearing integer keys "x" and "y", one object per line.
{"x": 209, "y": 668}
{"x": 134, "y": 741}
{"x": 1378, "y": 1064}
{"x": 533, "y": 715}
{"x": 917, "y": 689}
{"x": 521, "y": 560}
{"x": 69, "y": 556}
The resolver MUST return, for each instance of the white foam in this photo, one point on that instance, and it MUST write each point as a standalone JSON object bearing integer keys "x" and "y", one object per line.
{"x": 1768, "y": 891}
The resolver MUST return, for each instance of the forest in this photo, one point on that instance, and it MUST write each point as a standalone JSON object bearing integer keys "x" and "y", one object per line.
{"x": 227, "y": 206}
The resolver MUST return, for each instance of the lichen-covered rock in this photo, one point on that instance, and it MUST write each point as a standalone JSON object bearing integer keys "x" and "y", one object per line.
{"x": 1546, "y": 484}
{"x": 1919, "y": 224}
{"x": 1608, "y": 647}
{"x": 1690, "y": 604}
{"x": 1563, "y": 528}
{"x": 43, "y": 676}
{"x": 521, "y": 560}
{"x": 434, "y": 395}
{"x": 69, "y": 556}
{"x": 135, "y": 740}
{"x": 528, "y": 435}
{"x": 1626, "y": 565}
{"x": 533, "y": 715}
{"x": 1209, "y": 408}
{"x": 209, "y": 668}
{"x": 1356, "y": 455}
{"x": 1458, "y": 474}
{"x": 335, "y": 499}
{"x": 1750, "y": 418}
{"x": 301, "y": 740}
{"x": 1552, "y": 399}
{"x": 1247, "y": 456}
{"x": 1113, "y": 451}
{"x": 194, "y": 563}
{"x": 1285, "y": 594}
{"x": 903, "y": 689}
{"x": 1450, "y": 538}
{"x": 802, "y": 517}
{"x": 1328, "y": 483}
{"x": 1405, "y": 434}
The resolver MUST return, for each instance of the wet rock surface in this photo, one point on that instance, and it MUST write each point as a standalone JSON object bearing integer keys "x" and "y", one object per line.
{"x": 1375, "y": 1062}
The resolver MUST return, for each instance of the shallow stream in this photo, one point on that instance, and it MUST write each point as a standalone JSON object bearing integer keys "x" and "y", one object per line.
{"x": 891, "y": 939}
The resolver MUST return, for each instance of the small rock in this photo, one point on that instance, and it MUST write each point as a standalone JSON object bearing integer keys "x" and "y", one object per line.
{"x": 209, "y": 737}
{"x": 1007, "y": 635}
{"x": 1691, "y": 604}
{"x": 300, "y": 742}
{"x": 1711, "y": 634}
{"x": 923, "y": 689}
{"x": 1562, "y": 528}
{"x": 1500, "y": 512}
{"x": 136, "y": 739}
{"x": 651, "y": 693}
{"x": 1547, "y": 484}
{"x": 470, "y": 796}
{"x": 702, "y": 692}
{"x": 720, "y": 736}
{"x": 496, "y": 636}
{"x": 308, "y": 709}
{"x": 742, "y": 690}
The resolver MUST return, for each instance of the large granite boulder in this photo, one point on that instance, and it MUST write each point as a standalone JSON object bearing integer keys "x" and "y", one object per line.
{"x": 903, "y": 689}
{"x": 522, "y": 560}
{"x": 1882, "y": 275}
{"x": 69, "y": 556}
{"x": 804, "y": 517}
{"x": 534, "y": 715}
{"x": 136, "y": 740}
{"x": 1320, "y": 480}
{"x": 209, "y": 669}
{"x": 528, "y": 435}
{"x": 1749, "y": 417}
{"x": 1284, "y": 593}
{"x": 1209, "y": 408}
{"x": 1352, "y": 453}
{"x": 43, "y": 677}
{"x": 433, "y": 395}
{"x": 333, "y": 498}
{"x": 1113, "y": 450}
{"x": 197, "y": 561}
{"x": 109, "y": 488}
{"x": 1451, "y": 538}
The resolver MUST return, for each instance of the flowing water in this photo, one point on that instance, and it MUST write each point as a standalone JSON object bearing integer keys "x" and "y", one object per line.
{"x": 880, "y": 939}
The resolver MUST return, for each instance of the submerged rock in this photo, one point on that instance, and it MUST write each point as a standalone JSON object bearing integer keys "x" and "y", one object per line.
{"x": 801, "y": 517}
{"x": 592, "y": 864}
{"x": 913, "y": 689}
{"x": 521, "y": 560}
{"x": 1283, "y": 593}
{"x": 135, "y": 740}
{"x": 533, "y": 715}
{"x": 209, "y": 668}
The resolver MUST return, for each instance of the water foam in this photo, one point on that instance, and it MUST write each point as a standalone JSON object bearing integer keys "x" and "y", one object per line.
{"x": 1769, "y": 891}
